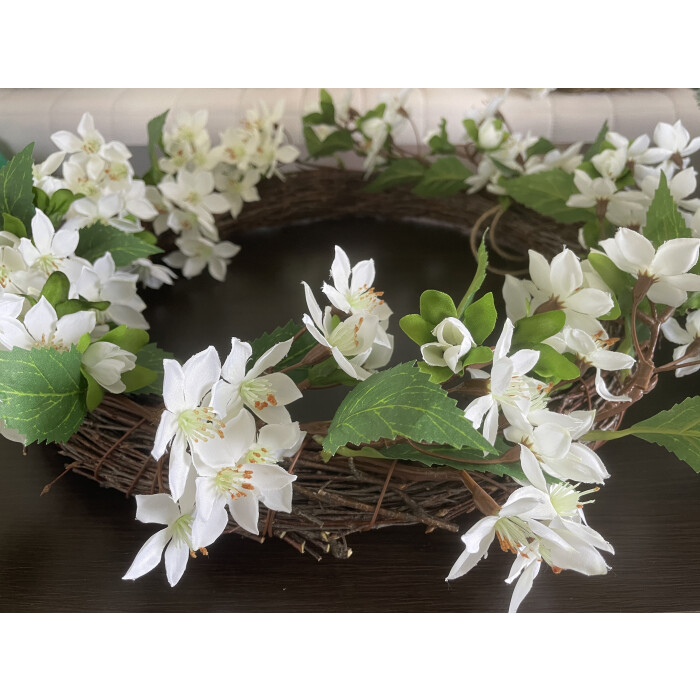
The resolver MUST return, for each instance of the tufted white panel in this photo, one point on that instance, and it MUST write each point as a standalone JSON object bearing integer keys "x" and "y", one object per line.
{"x": 34, "y": 114}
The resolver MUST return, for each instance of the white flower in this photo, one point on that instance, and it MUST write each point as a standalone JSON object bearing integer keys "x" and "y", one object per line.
{"x": 266, "y": 395}
{"x": 235, "y": 471}
{"x": 43, "y": 173}
{"x": 193, "y": 192}
{"x": 89, "y": 141}
{"x": 177, "y": 536}
{"x": 13, "y": 270}
{"x": 187, "y": 419}
{"x": 681, "y": 186}
{"x": 620, "y": 208}
{"x": 186, "y": 142}
{"x": 454, "y": 341}
{"x": 152, "y": 275}
{"x": 667, "y": 267}
{"x": 674, "y": 142}
{"x": 507, "y": 386}
{"x": 593, "y": 350}
{"x": 47, "y": 250}
{"x": 610, "y": 162}
{"x": 568, "y": 160}
{"x": 673, "y": 332}
{"x": 106, "y": 362}
{"x": 350, "y": 341}
{"x": 237, "y": 188}
{"x": 196, "y": 253}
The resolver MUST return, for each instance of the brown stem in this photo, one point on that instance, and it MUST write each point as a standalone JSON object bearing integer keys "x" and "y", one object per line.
{"x": 483, "y": 501}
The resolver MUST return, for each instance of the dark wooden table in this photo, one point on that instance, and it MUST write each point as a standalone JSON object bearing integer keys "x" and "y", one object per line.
{"x": 67, "y": 551}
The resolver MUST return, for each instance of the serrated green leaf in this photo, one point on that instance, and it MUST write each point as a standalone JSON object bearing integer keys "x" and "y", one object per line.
{"x": 151, "y": 357}
{"x": 552, "y": 365}
{"x": 13, "y": 225}
{"x": 129, "y": 339}
{"x": 401, "y": 401}
{"x": 155, "y": 141}
{"x": 445, "y": 177}
{"x": 417, "y": 329}
{"x": 437, "y": 375}
{"x": 436, "y": 306}
{"x": 404, "y": 171}
{"x": 98, "y": 239}
{"x": 480, "y": 318}
{"x": 16, "y": 187}
{"x": 535, "y": 329}
{"x": 599, "y": 144}
{"x": 56, "y": 288}
{"x": 664, "y": 222}
{"x": 678, "y": 430}
{"x": 547, "y": 193}
{"x": 42, "y": 393}
{"x": 482, "y": 262}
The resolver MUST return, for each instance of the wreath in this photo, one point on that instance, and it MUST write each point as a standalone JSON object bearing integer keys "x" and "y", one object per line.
{"x": 500, "y": 412}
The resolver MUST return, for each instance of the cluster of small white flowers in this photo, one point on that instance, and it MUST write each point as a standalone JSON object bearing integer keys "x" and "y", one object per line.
{"x": 25, "y": 266}
{"x": 359, "y": 343}
{"x": 219, "y": 463}
{"x": 627, "y": 206}
{"x": 202, "y": 181}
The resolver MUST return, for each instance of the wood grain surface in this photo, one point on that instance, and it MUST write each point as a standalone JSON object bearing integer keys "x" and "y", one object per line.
{"x": 67, "y": 551}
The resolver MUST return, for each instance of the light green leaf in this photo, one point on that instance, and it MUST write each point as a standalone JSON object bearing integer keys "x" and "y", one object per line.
{"x": 540, "y": 147}
{"x": 482, "y": 261}
{"x": 437, "y": 375}
{"x": 129, "y": 339}
{"x": 327, "y": 373}
{"x": 95, "y": 393}
{"x": 480, "y": 318}
{"x": 98, "y": 239}
{"x": 445, "y": 177}
{"x": 417, "y": 329}
{"x": 12, "y": 224}
{"x": 552, "y": 365}
{"x": 16, "y": 187}
{"x": 664, "y": 222}
{"x": 479, "y": 355}
{"x": 139, "y": 378}
{"x": 42, "y": 393}
{"x": 401, "y": 401}
{"x": 155, "y": 141}
{"x": 440, "y": 142}
{"x": 547, "y": 193}
{"x": 436, "y": 306}
{"x": 59, "y": 204}
{"x": 678, "y": 430}
{"x": 404, "y": 171}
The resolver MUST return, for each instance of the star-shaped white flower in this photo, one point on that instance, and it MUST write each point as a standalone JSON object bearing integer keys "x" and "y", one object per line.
{"x": 667, "y": 267}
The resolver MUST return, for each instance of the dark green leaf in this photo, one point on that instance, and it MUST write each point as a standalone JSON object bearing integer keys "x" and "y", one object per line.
{"x": 139, "y": 378}
{"x": 59, "y": 204}
{"x": 151, "y": 357}
{"x": 401, "y": 401}
{"x": 327, "y": 373}
{"x": 72, "y": 305}
{"x": 13, "y": 225}
{"x": 535, "y": 329}
{"x": 340, "y": 140}
{"x": 547, "y": 193}
{"x": 480, "y": 318}
{"x": 16, "y": 187}
{"x": 664, "y": 221}
{"x": 445, "y": 177}
{"x": 98, "y": 239}
{"x": 440, "y": 142}
{"x": 436, "y": 306}
{"x": 621, "y": 283}
{"x": 155, "y": 141}
{"x": 539, "y": 148}
{"x": 94, "y": 394}
{"x": 42, "y": 393}
{"x": 404, "y": 171}
{"x": 482, "y": 262}
{"x": 599, "y": 144}
{"x": 56, "y": 288}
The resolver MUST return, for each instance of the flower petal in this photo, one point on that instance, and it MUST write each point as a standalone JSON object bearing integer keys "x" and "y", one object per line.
{"x": 149, "y": 555}
{"x": 157, "y": 508}
{"x": 176, "y": 556}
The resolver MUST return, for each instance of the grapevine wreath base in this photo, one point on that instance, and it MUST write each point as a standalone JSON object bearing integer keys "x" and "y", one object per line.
{"x": 344, "y": 495}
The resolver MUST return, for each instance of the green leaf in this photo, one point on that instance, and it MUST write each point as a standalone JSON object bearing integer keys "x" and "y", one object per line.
{"x": 95, "y": 393}
{"x": 129, "y": 339}
{"x": 72, "y": 305}
{"x": 151, "y": 357}
{"x": 401, "y": 401}
{"x": 12, "y": 224}
{"x": 436, "y": 306}
{"x": 155, "y": 141}
{"x": 690, "y": 305}
{"x": 327, "y": 373}
{"x": 327, "y": 108}
{"x": 621, "y": 283}
{"x": 41, "y": 199}
{"x": 599, "y": 144}
{"x": 417, "y": 329}
{"x": 437, "y": 375}
{"x": 404, "y": 171}
{"x": 552, "y": 365}
{"x": 340, "y": 140}
{"x": 139, "y": 378}
{"x": 480, "y": 318}
{"x": 59, "y": 204}
{"x": 42, "y": 393}
{"x": 539, "y": 148}
{"x": 547, "y": 193}
{"x": 98, "y": 239}
{"x": 479, "y": 355}
{"x": 440, "y": 142}
{"x": 482, "y": 261}
{"x": 535, "y": 329}
{"x": 445, "y": 177}
{"x": 56, "y": 288}
{"x": 16, "y": 187}
{"x": 146, "y": 237}
{"x": 678, "y": 430}
{"x": 664, "y": 221}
